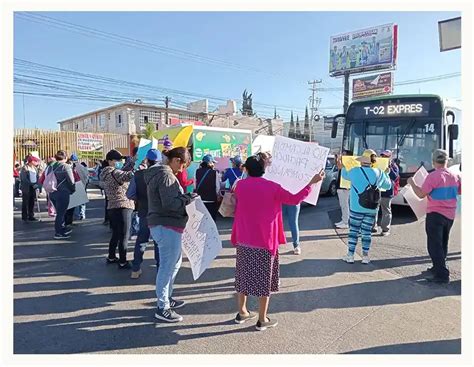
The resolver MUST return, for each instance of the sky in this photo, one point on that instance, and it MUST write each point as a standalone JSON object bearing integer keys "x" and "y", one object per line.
{"x": 278, "y": 54}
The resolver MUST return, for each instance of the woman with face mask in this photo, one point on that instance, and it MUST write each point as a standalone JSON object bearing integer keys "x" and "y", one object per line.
{"x": 119, "y": 207}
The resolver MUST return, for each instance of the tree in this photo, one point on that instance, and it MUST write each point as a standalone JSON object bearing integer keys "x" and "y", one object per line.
{"x": 149, "y": 131}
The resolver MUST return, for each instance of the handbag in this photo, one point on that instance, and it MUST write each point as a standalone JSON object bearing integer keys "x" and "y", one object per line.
{"x": 227, "y": 208}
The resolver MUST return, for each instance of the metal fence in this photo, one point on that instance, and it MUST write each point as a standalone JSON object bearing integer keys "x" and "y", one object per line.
{"x": 48, "y": 142}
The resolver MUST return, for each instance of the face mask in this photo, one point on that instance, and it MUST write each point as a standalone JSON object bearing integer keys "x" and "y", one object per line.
{"x": 118, "y": 165}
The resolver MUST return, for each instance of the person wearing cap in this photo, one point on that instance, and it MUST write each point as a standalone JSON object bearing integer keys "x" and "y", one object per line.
{"x": 28, "y": 185}
{"x": 80, "y": 211}
{"x": 167, "y": 146}
{"x": 257, "y": 232}
{"x": 130, "y": 161}
{"x": 119, "y": 207}
{"x": 137, "y": 191}
{"x": 235, "y": 173}
{"x": 441, "y": 187}
{"x": 60, "y": 198}
{"x": 387, "y": 196}
{"x": 207, "y": 184}
{"x": 361, "y": 219}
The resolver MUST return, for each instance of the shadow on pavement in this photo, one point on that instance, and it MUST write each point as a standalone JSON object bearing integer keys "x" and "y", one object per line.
{"x": 452, "y": 346}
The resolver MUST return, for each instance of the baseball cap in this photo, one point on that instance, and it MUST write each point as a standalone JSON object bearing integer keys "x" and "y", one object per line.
{"x": 208, "y": 159}
{"x": 114, "y": 155}
{"x": 237, "y": 160}
{"x": 32, "y": 158}
{"x": 167, "y": 144}
{"x": 386, "y": 153}
{"x": 153, "y": 155}
{"x": 365, "y": 157}
{"x": 440, "y": 156}
{"x": 74, "y": 157}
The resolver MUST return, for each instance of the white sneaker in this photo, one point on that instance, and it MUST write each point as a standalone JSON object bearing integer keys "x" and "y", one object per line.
{"x": 342, "y": 226}
{"x": 365, "y": 259}
{"x": 338, "y": 223}
{"x": 136, "y": 274}
{"x": 297, "y": 250}
{"x": 348, "y": 259}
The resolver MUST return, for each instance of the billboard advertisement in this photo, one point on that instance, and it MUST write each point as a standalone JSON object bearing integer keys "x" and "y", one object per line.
{"x": 372, "y": 86}
{"x": 90, "y": 145}
{"x": 364, "y": 50}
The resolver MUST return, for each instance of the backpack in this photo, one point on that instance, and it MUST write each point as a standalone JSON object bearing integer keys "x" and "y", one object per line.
{"x": 370, "y": 197}
{"x": 50, "y": 183}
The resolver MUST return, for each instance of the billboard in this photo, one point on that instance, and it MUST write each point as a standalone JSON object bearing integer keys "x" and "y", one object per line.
{"x": 90, "y": 145}
{"x": 364, "y": 50}
{"x": 372, "y": 86}
{"x": 449, "y": 34}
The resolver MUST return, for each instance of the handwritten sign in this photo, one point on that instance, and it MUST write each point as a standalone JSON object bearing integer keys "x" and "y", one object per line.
{"x": 294, "y": 163}
{"x": 350, "y": 162}
{"x": 263, "y": 143}
{"x": 79, "y": 196}
{"x": 416, "y": 204}
{"x": 201, "y": 242}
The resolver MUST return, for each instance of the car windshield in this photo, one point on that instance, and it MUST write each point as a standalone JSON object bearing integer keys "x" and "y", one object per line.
{"x": 411, "y": 141}
{"x": 330, "y": 162}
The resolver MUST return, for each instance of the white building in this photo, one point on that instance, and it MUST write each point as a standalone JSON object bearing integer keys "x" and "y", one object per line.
{"x": 129, "y": 118}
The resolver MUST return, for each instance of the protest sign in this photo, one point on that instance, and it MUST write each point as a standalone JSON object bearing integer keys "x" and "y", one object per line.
{"x": 79, "y": 196}
{"x": 349, "y": 162}
{"x": 416, "y": 204}
{"x": 200, "y": 242}
{"x": 294, "y": 163}
{"x": 143, "y": 147}
{"x": 263, "y": 143}
{"x": 90, "y": 145}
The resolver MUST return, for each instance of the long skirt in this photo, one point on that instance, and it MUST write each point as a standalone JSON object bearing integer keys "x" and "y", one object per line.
{"x": 257, "y": 272}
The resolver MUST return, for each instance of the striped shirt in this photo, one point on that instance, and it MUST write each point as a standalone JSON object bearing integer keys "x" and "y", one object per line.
{"x": 442, "y": 188}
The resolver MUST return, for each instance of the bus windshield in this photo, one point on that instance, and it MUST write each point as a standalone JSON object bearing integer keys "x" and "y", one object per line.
{"x": 411, "y": 140}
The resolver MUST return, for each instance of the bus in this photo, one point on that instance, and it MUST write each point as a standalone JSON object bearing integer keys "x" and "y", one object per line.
{"x": 411, "y": 126}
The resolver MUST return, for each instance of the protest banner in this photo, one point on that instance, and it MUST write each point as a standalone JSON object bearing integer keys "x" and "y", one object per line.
{"x": 143, "y": 147}
{"x": 263, "y": 143}
{"x": 416, "y": 204}
{"x": 79, "y": 196}
{"x": 200, "y": 242}
{"x": 90, "y": 145}
{"x": 294, "y": 163}
{"x": 350, "y": 162}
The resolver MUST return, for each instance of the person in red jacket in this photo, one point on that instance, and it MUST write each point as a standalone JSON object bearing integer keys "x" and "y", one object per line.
{"x": 183, "y": 179}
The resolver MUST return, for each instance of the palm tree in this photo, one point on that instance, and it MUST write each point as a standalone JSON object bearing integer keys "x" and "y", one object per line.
{"x": 149, "y": 131}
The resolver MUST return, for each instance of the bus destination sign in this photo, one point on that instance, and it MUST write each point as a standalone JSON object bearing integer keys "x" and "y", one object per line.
{"x": 420, "y": 109}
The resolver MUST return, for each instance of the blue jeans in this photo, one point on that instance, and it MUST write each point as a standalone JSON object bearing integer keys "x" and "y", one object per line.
{"x": 143, "y": 238}
{"x": 60, "y": 200}
{"x": 80, "y": 211}
{"x": 169, "y": 246}
{"x": 291, "y": 213}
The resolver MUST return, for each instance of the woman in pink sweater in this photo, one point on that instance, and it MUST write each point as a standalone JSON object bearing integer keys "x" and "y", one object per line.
{"x": 257, "y": 232}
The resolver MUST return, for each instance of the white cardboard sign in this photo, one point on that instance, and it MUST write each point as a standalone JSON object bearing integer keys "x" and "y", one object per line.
{"x": 79, "y": 196}
{"x": 417, "y": 205}
{"x": 294, "y": 163}
{"x": 201, "y": 241}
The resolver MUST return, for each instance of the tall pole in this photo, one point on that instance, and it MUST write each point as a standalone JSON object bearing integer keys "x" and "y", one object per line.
{"x": 314, "y": 105}
{"x": 24, "y": 118}
{"x": 167, "y": 103}
{"x": 346, "y": 92}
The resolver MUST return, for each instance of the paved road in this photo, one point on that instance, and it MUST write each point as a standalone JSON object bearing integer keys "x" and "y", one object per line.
{"x": 67, "y": 300}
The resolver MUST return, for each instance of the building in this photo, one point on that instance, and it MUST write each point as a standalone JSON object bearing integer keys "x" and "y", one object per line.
{"x": 131, "y": 118}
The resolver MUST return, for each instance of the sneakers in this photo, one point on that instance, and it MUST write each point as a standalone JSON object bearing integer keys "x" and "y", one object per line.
{"x": 239, "y": 319}
{"x": 430, "y": 277}
{"x": 174, "y": 303}
{"x": 261, "y": 326}
{"x": 59, "y": 236}
{"x": 125, "y": 265}
{"x": 167, "y": 315}
{"x": 374, "y": 230}
{"x": 111, "y": 261}
{"x": 385, "y": 233}
{"x": 67, "y": 232}
{"x": 339, "y": 223}
{"x": 365, "y": 259}
{"x": 32, "y": 219}
{"x": 136, "y": 274}
{"x": 348, "y": 259}
{"x": 297, "y": 250}
{"x": 342, "y": 225}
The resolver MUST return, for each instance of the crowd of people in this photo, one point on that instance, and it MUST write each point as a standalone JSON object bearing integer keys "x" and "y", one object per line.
{"x": 158, "y": 191}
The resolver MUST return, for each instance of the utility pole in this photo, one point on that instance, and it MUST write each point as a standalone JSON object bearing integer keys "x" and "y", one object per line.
{"x": 315, "y": 102}
{"x": 346, "y": 92}
{"x": 167, "y": 104}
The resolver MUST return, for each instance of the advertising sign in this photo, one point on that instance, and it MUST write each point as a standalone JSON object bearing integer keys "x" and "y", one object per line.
{"x": 221, "y": 143}
{"x": 90, "y": 145}
{"x": 364, "y": 50}
{"x": 371, "y": 86}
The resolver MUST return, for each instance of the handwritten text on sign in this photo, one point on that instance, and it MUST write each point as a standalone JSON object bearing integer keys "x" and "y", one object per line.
{"x": 294, "y": 163}
{"x": 201, "y": 242}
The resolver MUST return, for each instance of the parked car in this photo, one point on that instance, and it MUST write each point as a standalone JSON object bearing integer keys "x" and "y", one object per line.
{"x": 93, "y": 176}
{"x": 329, "y": 185}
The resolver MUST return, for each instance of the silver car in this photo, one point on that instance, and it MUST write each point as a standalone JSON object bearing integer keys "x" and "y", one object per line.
{"x": 329, "y": 185}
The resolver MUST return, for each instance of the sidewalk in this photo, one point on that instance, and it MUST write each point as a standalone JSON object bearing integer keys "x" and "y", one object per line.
{"x": 68, "y": 301}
